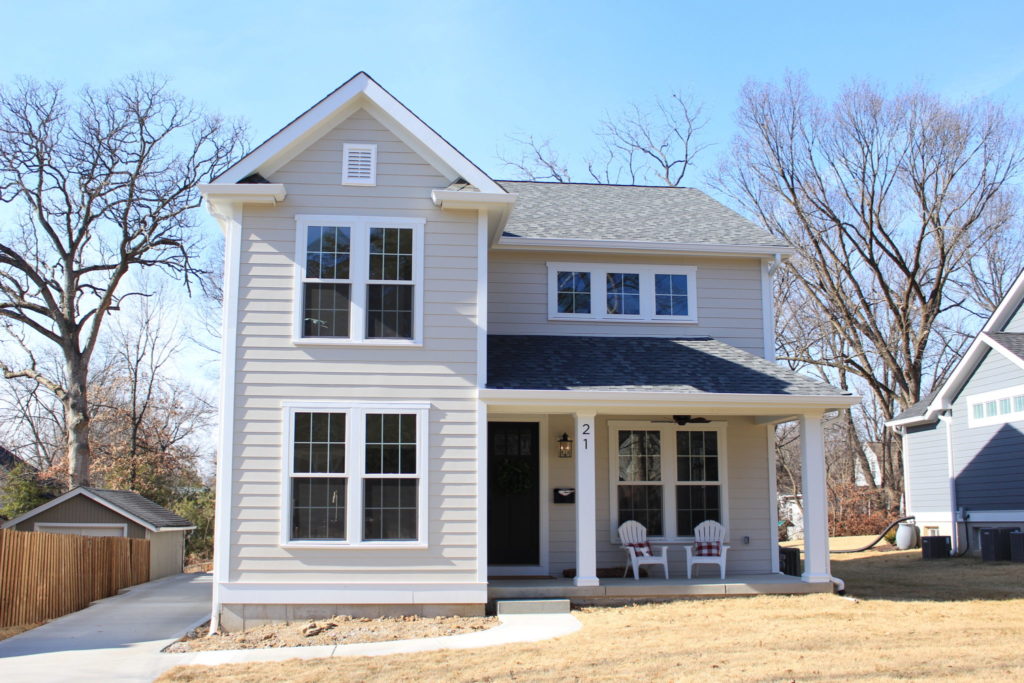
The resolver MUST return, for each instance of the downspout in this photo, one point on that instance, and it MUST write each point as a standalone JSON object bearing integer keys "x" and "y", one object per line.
{"x": 947, "y": 419}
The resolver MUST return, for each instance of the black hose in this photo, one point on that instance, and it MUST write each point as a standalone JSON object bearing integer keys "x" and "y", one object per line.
{"x": 874, "y": 542}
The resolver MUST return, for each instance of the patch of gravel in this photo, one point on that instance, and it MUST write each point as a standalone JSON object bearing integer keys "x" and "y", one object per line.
{"x": 339, "y": 630}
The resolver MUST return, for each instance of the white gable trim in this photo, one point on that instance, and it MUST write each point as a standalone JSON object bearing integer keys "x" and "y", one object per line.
{"x": 353, "y": 94}
{"x": 88, "y": 494}
{"x": 1010, "y": 355}
{"x": 975, "y": 352}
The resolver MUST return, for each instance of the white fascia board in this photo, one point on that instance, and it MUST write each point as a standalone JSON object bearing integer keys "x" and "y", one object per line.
{"x": 1010, "y": 355}
{"x": 358, "y": 91}
{"x": 911, "y": 421}
{"x": 643, "y": 402}
{"x": 547, "y": 244}
{"x": 1007, "y": 306}
{"x": 454, "y": 199}
{"x": 247, "y": 193}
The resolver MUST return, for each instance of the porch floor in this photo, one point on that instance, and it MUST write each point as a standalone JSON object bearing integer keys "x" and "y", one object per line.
{"x": 652, "y": 588}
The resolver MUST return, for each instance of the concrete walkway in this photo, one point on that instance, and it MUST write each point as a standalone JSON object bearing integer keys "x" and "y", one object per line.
{"x": 121, "y": 638}
{"x": 116, "y": 639}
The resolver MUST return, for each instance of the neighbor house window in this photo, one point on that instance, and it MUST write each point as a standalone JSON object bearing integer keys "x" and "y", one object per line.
{"x": 668, "y": 478}
{"x": 598, "y": 291}
{"x": 360, "y": 280}
{"x": 996, "y": 407}
{"x": 356, "y": 474}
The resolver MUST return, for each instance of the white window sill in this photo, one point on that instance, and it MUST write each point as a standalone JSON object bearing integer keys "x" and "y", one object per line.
{"x": 343, "y": 545}
{"x": 618, "y": 319}
{"x": 368, "y": 343}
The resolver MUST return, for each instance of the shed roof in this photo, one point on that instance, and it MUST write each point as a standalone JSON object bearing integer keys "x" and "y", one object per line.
{"x": 636, "y": 213}
{"x": 126, "y": 503}
{"x": 650, "y": 364}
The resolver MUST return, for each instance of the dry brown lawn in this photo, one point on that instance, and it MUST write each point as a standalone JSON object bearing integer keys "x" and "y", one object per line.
{"x": 957, "y": 619}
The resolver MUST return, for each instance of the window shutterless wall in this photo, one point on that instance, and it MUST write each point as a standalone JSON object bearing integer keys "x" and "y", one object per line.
{"x": 622, "y": 292}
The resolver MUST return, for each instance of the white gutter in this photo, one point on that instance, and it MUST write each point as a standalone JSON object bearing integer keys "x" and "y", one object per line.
{"x": 455, "y": 199}
{"x": 947, "y": 419}
{"x": 249, "y": 193}
{"x": 542, "y": 244}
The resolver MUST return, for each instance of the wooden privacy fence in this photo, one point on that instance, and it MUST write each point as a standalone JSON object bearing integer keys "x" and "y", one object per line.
{"x": 43, "y": 576}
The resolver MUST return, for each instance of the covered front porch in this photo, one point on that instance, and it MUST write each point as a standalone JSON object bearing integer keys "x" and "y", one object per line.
{"x": 686, "y": 435}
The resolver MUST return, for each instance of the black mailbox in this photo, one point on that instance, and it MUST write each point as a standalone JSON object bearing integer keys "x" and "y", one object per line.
{"x": 565, "y": 495}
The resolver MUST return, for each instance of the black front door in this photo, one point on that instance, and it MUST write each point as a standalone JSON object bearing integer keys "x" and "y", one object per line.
{"x": 513, "y": 493}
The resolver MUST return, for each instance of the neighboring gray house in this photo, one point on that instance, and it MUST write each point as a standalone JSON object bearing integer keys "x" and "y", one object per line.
{"x": 963, "y": 446}
{"x": 407, "y": 340}
{"x": 86, "y": 511}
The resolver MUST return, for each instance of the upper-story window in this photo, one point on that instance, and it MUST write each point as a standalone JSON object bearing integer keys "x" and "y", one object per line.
{"x": 360, "y": 280}
{"x": 599, "y": 291}
{"x": 996, "y": 407}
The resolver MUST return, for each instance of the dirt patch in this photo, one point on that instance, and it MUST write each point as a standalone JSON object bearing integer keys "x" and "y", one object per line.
{"x": 339, "y": 630}
{"x": 8, "y": 631}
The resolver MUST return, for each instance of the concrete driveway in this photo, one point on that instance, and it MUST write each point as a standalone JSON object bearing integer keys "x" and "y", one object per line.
{"x": 115, "y": 639}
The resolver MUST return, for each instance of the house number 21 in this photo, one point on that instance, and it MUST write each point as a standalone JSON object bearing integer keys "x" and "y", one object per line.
{"x": 585, "y": 429}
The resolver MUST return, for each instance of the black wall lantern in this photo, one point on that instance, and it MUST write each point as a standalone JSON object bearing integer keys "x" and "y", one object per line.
{"x": 565, "y": 446}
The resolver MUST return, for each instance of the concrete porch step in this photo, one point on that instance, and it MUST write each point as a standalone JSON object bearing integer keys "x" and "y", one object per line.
{"x": 532, "y": 607}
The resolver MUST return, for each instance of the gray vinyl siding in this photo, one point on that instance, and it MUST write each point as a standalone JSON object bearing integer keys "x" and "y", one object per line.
{"x": 927, "y": 469}
{"x": 271, "y": 369}
{"x": 748, "y": 502}
{"x": 81, "y": 510}
{"x": 989, "y": 460}
{"x": 729, "y": 299}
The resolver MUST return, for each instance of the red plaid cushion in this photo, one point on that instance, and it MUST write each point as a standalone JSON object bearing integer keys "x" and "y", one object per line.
{"x": 641, "y": 549}
{"x": 707, "y": 549}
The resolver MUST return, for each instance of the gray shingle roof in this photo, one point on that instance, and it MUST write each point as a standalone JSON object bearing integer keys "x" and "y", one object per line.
{"x": 680, "y": 215}
{"x": 1011, "y": 341}
{"x": 918, "y": 409}
{"x": 141, "y": 507}
{"x": 689, "y": 366}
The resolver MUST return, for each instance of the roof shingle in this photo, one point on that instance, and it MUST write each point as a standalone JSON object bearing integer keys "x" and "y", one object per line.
{"x": 141, "y": 507}
{"x": 679, "y": 215}
{"x": 689, "y": 366}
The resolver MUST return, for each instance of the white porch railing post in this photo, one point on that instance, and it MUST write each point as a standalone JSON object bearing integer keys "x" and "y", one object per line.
{"x": 812, "y": 451}
{"x": 586, "y": 501}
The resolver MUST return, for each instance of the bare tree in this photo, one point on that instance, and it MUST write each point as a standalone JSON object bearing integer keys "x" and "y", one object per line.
{"x": 101, "y": 186}
{"x": 896, "y": 205}
{"x": 654, "y": 145}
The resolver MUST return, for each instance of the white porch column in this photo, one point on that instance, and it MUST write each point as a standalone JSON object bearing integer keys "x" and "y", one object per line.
{"x": 812, "y": 451}
{"x": 586, "y": 501}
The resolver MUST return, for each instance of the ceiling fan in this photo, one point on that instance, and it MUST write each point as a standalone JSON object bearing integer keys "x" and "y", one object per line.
{"x": 683, "y": 420}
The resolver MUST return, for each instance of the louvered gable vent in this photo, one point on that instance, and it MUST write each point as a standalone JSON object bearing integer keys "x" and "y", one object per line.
{"x": 360, "y": 165}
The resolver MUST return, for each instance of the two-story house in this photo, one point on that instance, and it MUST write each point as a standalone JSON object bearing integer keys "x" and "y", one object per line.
{"x": 963, "y": 445}
{"x": 433, "y": 379}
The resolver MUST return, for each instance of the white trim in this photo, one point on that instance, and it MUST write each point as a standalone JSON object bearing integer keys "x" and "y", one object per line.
{"x": 669, "y": 475}
{"x": 93, "y": 497}
{"x": 599, "y": 291}
{"x": 767, "y": 310}
{"x": 481, "y": 382}
{"x": 907, "y": 500}
{"x": 995, "y": 397}
{"x": 459, "y": 199}
{"x": 642, "y": 402}
{"x": 355, "y": 475}
{"x": 972, "y": 357}
{"x": 947, "y": 419}
{"x": 544, "y": 515}
{"x": 359, "y": 278}
{"x": 357, "y": 91}
{"x": 481, "y": 492}
{"x": 482, "y": 304}
{"x": 349, "y": 148}
{"x": 42, "y": 526}
{"x": 773, "y": 496}
{"x": 1010, "y": 355}
{"x": 627, "y": 246}
{"x": 353, "y": 593}
{"x": 976, "y": 516}
{"x": 815, "y": 505}
{"x": 249, "y": 193}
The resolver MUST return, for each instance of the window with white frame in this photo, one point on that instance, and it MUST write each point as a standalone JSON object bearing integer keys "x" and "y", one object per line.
{"x": 600, "y": 291}
{"x": 360, "y": 279}
{"x": 356, "y": 475}
{"x": 996, "y": 407}
{"x": 670, "y": 479}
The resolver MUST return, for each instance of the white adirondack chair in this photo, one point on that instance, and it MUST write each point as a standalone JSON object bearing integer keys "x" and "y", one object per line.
{"x": 632, "y": 535}
{"x": 708, "y": 531}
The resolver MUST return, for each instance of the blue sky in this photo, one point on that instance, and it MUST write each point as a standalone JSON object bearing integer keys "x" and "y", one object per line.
{"x": 478, "y": 71}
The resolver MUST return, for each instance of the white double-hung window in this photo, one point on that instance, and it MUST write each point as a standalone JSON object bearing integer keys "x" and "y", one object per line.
{"x": 603, "y": 291}
{"x": 359, "y": 279}
{"x": 355, "y": 474}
